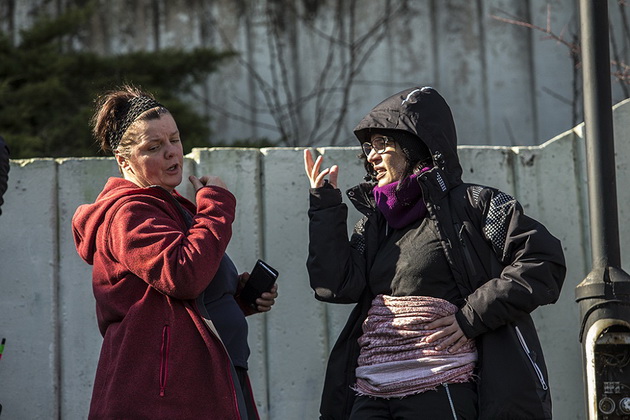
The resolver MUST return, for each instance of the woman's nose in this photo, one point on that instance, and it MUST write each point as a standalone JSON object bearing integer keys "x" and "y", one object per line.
{"x": 170, "y": 149}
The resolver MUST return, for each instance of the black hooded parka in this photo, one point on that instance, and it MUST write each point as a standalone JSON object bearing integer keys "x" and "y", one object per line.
{"x": 505, "y": 265}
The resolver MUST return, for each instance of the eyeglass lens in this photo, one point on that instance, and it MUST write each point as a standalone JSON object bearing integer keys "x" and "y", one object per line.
{"x": 378, "y": 144}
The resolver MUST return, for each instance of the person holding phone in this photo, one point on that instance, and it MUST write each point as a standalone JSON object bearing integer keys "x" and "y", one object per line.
{"x": 443, "y": 276}
{"x": 167, "y": 295}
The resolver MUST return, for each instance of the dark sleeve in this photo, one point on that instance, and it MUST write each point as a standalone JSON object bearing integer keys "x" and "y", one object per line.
{"x": 4, "y": 170}
{"x": 336, "y": 265}
{"x": 530, "y": 270}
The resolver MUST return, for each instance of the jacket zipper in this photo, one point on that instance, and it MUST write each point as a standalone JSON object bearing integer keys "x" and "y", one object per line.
{"x": 521, "y": 339}
{"x": 460, "y": 235}
{"x": 166, "y": 336}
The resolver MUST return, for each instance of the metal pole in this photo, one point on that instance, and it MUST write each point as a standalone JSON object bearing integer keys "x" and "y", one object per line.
{"x": 602, "y": 188}
{"x": 604, "y": 295}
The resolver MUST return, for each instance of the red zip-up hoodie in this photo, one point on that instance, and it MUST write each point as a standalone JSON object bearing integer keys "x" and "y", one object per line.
{"x": 159, "y": 359}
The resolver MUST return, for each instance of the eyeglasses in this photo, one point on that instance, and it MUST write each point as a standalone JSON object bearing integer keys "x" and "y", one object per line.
{"x": 379, "y": 144}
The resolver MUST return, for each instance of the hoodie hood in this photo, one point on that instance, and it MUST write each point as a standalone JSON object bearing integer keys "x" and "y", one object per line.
{"x": 423, "y": 112}
{"x": 90, "y": 217}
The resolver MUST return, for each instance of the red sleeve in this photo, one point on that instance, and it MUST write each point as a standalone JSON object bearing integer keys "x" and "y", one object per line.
{"x": 147, "y": 238}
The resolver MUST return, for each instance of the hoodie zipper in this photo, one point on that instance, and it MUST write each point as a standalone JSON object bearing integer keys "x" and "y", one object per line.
{"x": 166, "y": 337}
{"x": 521, "y": 339}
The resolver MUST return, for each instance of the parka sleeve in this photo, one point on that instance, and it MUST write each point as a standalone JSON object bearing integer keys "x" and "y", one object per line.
{"x": 528, "y": 269}
{"x": 147, "y": 238}
{"x": 336, "y": 266}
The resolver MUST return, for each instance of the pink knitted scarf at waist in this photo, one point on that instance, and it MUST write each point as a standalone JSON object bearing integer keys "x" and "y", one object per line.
{"x": 395, "y": 359}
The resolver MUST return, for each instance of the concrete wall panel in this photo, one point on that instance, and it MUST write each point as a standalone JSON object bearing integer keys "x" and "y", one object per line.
{"x": 621, "y": 118}
{"x": 505, "y": 47}
{"x": 295, "y": 327}
{"x": 79, "y": 182}
{"x": 460, "y": 62}
{"x": 553, "y": 71}
{"x": 487, "y": 165}
{"x": 29, "y": 280}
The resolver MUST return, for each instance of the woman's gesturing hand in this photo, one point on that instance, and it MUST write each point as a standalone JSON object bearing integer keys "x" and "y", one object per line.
{"x": 206, "y": 181}
{"x": 312, "y": 170}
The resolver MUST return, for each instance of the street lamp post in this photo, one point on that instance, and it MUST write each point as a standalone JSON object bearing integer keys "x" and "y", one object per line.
{"x": 604, "y": 295}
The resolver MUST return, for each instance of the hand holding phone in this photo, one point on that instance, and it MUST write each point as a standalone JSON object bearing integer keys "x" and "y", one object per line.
{"x": 261, "y": 279}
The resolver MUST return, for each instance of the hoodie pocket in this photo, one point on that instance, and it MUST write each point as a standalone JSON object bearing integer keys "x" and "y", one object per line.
{"x": 166, "y": 338}
{"x": 541, "y": 377}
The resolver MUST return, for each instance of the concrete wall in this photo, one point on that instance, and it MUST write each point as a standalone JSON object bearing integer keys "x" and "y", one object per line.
{"x": 47, "y": 307}
{"x": 307, "y": 71}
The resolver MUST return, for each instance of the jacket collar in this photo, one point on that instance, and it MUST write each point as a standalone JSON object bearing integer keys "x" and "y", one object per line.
{"x": 362, "y": 199}
{"x": 434, "y": 183}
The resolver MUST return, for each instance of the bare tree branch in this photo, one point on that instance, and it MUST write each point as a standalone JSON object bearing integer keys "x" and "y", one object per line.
{"x": 329, "y": 97}
{"x": 573, "y": 47}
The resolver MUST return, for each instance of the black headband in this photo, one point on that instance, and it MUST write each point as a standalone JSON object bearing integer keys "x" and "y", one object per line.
{"x": 136, "y": 107}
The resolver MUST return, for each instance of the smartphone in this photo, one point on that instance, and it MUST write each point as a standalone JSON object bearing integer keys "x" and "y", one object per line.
{"x": 261, "y": 280}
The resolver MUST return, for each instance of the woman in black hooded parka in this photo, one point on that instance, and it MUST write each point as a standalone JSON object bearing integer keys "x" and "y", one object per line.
{"x": 444, "y": 276}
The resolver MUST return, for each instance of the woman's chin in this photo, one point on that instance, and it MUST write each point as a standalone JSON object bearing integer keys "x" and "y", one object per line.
{"x": 171, "y": 183}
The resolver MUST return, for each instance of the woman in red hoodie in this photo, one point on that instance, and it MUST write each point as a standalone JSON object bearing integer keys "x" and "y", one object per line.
{"x": 167, "y": 303}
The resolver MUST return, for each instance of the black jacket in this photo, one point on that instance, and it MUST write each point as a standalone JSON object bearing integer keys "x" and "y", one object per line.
{"x": 505, "y": 263}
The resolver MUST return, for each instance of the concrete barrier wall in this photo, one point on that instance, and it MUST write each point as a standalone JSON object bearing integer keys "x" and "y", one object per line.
{"x": 47, "y": 308}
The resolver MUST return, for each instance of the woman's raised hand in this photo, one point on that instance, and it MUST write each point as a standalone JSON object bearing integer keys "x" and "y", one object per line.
{"x": 312, "y": 170}
{"x": 206, "y": 181}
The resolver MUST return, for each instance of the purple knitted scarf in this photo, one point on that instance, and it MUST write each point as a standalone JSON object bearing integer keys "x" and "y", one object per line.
{"x": 403, "y": 207}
